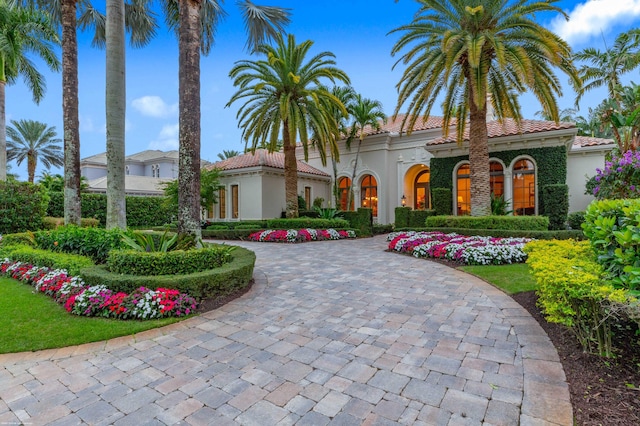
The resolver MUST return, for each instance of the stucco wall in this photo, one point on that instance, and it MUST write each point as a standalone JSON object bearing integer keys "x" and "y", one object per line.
{"x": 581, "y": 164}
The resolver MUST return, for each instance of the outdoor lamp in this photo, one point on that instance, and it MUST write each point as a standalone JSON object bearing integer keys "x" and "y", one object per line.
{"x": 403, "y": 200}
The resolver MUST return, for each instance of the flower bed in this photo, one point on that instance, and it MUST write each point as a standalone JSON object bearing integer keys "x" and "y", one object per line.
{"x": 81, "y": 299}
{"x": 300, "y": 236}
{"x": 458, "y": 248}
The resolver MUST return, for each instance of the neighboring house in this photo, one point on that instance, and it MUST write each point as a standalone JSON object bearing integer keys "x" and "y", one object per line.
{"x": 145, "y": 172}
{"x": 394, "y": 168}
{"x": 253, "y": 186}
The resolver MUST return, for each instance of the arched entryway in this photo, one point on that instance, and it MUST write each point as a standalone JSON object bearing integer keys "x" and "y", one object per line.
{"x": 421, "y": 190}
{"x": 369, "y": 193}
{"x": 344, "y": 183}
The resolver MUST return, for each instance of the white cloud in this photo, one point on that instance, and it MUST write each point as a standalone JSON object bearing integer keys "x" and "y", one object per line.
{"x": 592, "y": 17}
{"x": 154, "y": 106}
{"x": 167, "y": 138}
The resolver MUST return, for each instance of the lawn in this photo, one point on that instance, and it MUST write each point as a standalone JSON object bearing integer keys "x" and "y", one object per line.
{"x": 511, "y": 278}
{"x": 31, "y": 322}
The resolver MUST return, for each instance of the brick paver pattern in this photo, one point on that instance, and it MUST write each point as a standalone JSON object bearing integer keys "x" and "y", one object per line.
{"x": 333, "y": 332}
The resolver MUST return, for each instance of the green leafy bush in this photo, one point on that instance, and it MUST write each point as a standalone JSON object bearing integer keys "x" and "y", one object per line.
{"x": 520, "y": 223}
{"x": 92, "y": 242}
{"x": 613, "y": 226}
{"x": 620, "y": 178}
{"x": 505, "y": 233}
{"x": 22, "y": 206}
{"x": 211, "y": 283}
{"x": 306, "y": 222}
{"x": 418, "y": 218}
{"x": 576, "y": 219}
{"x": 382, "y": 229}
{"x": 442, "y": 200}
{"x": 328, "y": 213}
{"x": 360, "y": 220}
{"x": 402, "y": 217}
{"x": 572, "y": 291}
{"x": 49, "y": 222}
{"x": 306, "y": 213}
{"x": 556, "y": 201}
{"x": 73, "y": 263}
{"x": 19, "y": 238}
{"x": 177, "y": 262}
{"x": 244, "y": 224}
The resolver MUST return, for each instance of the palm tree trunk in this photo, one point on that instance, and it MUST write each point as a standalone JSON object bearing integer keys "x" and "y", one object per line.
{"x": 336, "y": 188}
{"x": 115, "y": 108}
{"x": 3, "y": 132}
{"x": 189, "y": 106}
{"x": 290, "y": 173}
{"x": 353, "y": 175}
{"x": 72, "y": 207}
{"x": 479, "y": 159}
{"x": 31, "y": 166}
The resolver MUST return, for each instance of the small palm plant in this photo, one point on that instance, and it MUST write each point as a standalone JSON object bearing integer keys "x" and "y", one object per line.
{"x": 146, "y": 242}
{"x": 499, "y": 206}
{"x": 327, "y": 213}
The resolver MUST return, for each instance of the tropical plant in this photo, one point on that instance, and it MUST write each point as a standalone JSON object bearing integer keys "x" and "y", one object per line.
{"x": 23, "y": 32}
{"x": 328, "y": 213}
{"x": 224, "y": 155}
{"x": 364, "y": 112}
{"x": 622, "y": 117}
{"x": 283, "y": 92}
{"x": 32, "y": 141}
{"x": 593, "y": 125}
{"x": 499, "y": 206}
{"x": 146, "y": 242}
{"x": 565, "y": 115}
{"x": 604, "y": 68}
{"x": 209, "y": 186}
{"x": 55, "y": 183}
{"x": 468, "y": 50}
{"x": 195, "y": 23}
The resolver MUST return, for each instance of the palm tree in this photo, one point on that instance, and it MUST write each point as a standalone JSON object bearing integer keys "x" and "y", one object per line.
{"x": 565, "y": 115}
{"x": 195, "y": 22}
{"x": 605, "y": 68}
{"x": 365, "y": 112}
{"x": 23, "y": 32}
{"x": 142, "y": 25}
{"x": 227, "y": 154}
{"x": 471, "y": 49}
{"x": 34, "y": 141}
{"x": 284, "y": 92}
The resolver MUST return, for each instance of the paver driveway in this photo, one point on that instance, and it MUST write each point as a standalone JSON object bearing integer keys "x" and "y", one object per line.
{"x": 331, "y": 333}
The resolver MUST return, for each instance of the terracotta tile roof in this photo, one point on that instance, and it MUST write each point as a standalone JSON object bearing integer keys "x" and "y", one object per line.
{"x": 394, "y": 126}
{"x": 585, "y": 141}
{"x": 262, "y": 157}
{"x": 509, "y": 128}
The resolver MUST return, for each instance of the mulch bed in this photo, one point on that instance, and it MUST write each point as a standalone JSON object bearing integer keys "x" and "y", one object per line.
{"x": 603, "y": 391}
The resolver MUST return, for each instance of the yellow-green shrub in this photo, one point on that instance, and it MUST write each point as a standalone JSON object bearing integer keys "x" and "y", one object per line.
{"x": 572, "y": 292}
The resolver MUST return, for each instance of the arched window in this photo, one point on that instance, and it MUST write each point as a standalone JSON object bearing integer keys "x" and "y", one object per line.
{"x": 524, "y": 188}
{"x": 343, "y": 187}
{"x": 496, "y": 178}
{"x": 463, "y": 190}
{"x": 369, "y": 193}
{"x": 421, "y": 192}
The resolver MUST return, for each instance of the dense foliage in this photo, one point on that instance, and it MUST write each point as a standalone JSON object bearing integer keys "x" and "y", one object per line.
{"x": 521, "y": 223}
{"x": 22, "y": 206}
{"x": 557, "y": 205}
{"x": 620, "y": 177}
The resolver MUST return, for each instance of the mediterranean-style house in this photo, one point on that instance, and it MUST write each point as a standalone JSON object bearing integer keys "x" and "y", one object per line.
{"x": 396, "y": 169}
{"x": 145, "y": 172}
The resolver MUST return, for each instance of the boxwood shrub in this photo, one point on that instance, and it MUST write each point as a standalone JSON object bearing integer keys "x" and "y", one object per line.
{"x": 520, "y": 223}
{"x": 306, "y": 222}
{"x": 175, "y": 262}
{"x": 22, "y": 206}
{"x": 556, "y": 201}
{"x": 505, "y": 233}
{"x": 73, "y": 263}
{"x": 417, "y": 218}
{"x": 402, "y": 217}
{"x": 205, "y": 284}
{"x": 360, "y": 220}
{"x": 576, "y": 219}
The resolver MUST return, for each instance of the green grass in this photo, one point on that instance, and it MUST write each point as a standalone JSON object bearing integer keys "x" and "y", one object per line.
{"x": 31, "y": 322}
{"x": 512, "y": 279}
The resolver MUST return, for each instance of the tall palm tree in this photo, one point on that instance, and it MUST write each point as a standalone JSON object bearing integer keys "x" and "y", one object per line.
{"x": 23, "y": 32}
{"x": 228, "y": 154}
{"x": 564, "y": 115}
{"x": 365, "y": 112}
{"x": 606, "y": 68}
{"x": 142, "y": 25}
{"x": 284, "y": 92}
{"x": 195, "y": 21}
{"x": 34, "y": 141}
{"x": 346, "y": 95}
{"x": 469, "y": 49}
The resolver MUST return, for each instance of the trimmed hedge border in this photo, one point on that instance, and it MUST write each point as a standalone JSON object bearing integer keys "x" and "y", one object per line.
{"x": 504, "y": 233}
{"x": 511, "y": 223}
{"x": 73, "y": 263}
{"x": 211, "y": 283}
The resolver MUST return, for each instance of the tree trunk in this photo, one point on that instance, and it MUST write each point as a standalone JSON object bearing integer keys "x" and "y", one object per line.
{"x": 353, "y": 175}
{"x": 31, "y": 166}
{"x": 189, "y": 119}
{"x": 336, "y": 187}
{"x": 115, "y": 107}
{"x": 290, "y": 173}
{"x": 3, "y": 131}
{"x": 72, "y": 208}
{"x": 479, "y": 159}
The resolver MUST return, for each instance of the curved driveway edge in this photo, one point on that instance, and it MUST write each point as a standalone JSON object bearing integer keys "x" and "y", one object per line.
{"x": 333, "y": 332}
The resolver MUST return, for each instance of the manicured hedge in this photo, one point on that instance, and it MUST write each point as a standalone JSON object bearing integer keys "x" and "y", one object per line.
{"x": 360, "y": 220}
{"x": 206, "y": 284}
{"x": 521, "y": 223}
{"x": 576, "y": 219}
{"x": 305, "y": 222}
{"x": 402, "y": 217}
{"x": 177, "y": 262}
{"x": 73, "y": 263}
{"x": 557, "y": 204}
{"x": 442, "y": 200}
{"x": 141, "y": 211}
{"x": 505, "y": 233}
{"x": 382, "y": 229}
{"x": 22, "y": 206}
{"x": 417, "y": 218}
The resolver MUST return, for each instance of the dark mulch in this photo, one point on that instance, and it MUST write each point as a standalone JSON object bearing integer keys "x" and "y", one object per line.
{"x": 210, "y": 304}
{"x": 603, "y": 391}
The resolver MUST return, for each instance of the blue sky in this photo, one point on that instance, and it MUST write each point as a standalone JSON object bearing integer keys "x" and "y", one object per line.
{"x": 354, "y": 30}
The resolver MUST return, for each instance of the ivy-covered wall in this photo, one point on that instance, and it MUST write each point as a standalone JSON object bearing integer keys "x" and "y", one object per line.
{"x": 551, "y": 163}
